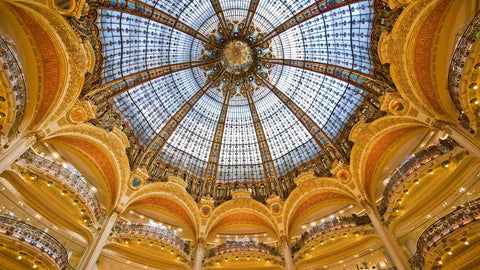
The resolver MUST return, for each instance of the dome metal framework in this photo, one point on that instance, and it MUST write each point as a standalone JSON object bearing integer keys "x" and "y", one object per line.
{"x": 236, "y": 92}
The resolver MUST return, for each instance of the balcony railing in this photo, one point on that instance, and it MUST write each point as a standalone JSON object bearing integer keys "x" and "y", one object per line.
{"x": 328, "y": 226}
{"x": 241, "y": 246}
{"x": 36, "y": 237}
{"x": 74, "y": 179}
{"x": 461, "y": 216}
{"x": 8, "y": 59}
{"x": 160, "y": 233}
{"x": 459, "y": 58}
{"x": 410, "y": 165}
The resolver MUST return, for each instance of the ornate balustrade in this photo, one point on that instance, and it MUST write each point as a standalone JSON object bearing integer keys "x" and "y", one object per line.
{"x": 157, "y": 233}
{"x": 410, "y": 165}
{"x": 459, "y": 58}
{"x": 461, "y": 216}
{"x": 73, "y": 179}
{"x": 8, "y": 59}
{"x": 328, "y": 226}
{"x": 36, "y": 237}
{"x": 241, "y": 246}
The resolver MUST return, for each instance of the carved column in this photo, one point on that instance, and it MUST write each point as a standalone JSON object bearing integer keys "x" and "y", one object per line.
{"x": 287, "y": 255}
{"x": 15, "y": 150}
{"x": 90, "y": 257}
{"x": 388, "y": 239}
{"x": 197, "y": 261}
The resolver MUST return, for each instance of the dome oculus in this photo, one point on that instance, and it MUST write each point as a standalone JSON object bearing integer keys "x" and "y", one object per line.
{"x": 237, "y": 57}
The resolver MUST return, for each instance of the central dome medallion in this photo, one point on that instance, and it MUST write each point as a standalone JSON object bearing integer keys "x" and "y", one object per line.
{"x": 242, "y": 54}
{"x": 237, "y": 57}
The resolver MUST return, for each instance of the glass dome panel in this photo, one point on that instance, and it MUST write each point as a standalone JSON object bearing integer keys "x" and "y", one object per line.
{"x": 132, "y": 43}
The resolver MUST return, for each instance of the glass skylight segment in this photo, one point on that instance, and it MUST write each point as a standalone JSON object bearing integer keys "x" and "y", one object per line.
{"x": 296, "y": 157}
{"x": 157, "y": 101}
{"x": 133, "y": 44}
{"x": 280, "y": 11}
{"x": 283, "y": 130}
{"x": 196, "y": 13}
{"x": 194, "y": 134}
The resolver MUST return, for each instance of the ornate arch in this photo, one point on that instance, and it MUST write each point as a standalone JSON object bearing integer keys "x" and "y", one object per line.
{"x": 171, "y": 199}
{"x": 102, "y": 151}
{"x": 249, "y": 209}
{"x": 417, "y": 49}
{"x": 311, "y": 195}
{"x": 374, "y": 145}
{"x": 54, "y": 60}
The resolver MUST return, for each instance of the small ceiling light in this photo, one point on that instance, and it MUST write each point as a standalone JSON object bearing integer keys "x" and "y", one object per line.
{"x": 19, "y": 257}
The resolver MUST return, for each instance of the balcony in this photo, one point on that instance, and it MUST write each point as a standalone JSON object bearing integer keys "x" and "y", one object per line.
{"x": 334, "y": 224}
{"x": 8, "y": 59}
{"x": 242, "y": 253}
{"x": 410, "y": 165}
{"x": 460, "y": 217}
{"x": 24, "y": 232}
{"x": 241, "y": 246}
{"x": 72, "y": 179}
{"x": 125, "y": 232}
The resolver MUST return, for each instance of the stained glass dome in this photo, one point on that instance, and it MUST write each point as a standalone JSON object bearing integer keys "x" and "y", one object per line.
{"x": 235, "y": 90}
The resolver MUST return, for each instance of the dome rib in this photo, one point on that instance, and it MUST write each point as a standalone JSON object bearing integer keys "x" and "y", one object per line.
{"x": 266, "y": 156}
{"x": 214, "y": 156}
{"x": 162, "y": 136}
{"x": 318, "y": 8}
{"x": 252, "y": 8}
{"x": 143, "y": 10}
{"x": 221, "y": 17}
{"x": 315, "y": 131}
{"x": 114, "y": 88}
{"x": 363, "y": 81}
